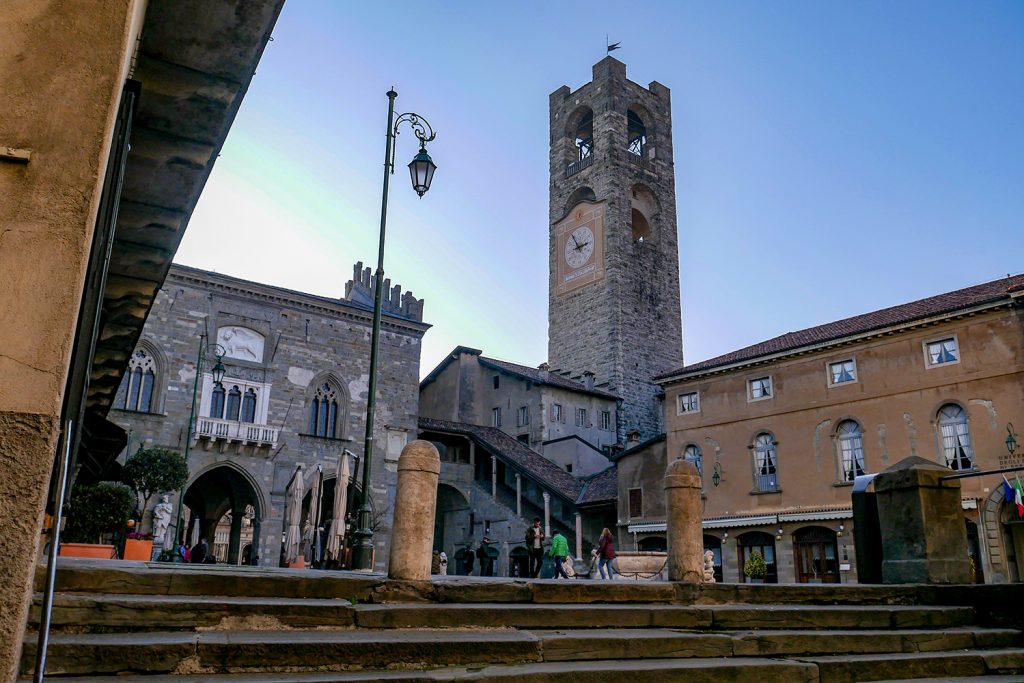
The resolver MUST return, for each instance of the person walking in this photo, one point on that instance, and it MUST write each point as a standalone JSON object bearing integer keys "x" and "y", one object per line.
{"x": 535, "y": 544}
{"x": 559, "y": 551}
{"x": 605, "y": 554}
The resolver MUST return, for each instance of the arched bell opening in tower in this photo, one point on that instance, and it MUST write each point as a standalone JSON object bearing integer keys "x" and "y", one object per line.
{"x": 636, "y": 134}
{"x": 581, "y": 130}
{"x": 581, "y": 194}
{"x": 644, "y": 208}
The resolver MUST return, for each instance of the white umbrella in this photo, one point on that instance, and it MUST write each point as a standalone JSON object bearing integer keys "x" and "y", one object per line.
{"x": 293, "y": 541}
{"x": 336, "y": 535}
{"x": 313, "y": 517}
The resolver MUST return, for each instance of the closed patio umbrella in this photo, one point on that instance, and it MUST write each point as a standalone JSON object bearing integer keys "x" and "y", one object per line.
{"x": 313, "y": 518}
{"x": 293, "y": 539}
{"x": 336, "y": 535}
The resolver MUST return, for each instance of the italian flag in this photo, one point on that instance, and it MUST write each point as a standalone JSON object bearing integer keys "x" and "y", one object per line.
{"x": 1018, "y": 497}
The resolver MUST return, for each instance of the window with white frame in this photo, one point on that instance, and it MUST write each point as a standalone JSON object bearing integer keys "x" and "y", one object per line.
{"x": 234, "y": 399}
{"x": 140, "y": 380}
{"x": 496, "y": 417}
{"x": 850, "y": 440}
{"x": 581, "y": 417}
{"x": 842, "y": 372}
{"x": 956, "y": 439}
{"x": 766, "y": 477}
{"x": 556, "y": 413}
{"x": 942, "y": 351}
{"x": 524, "y": 416}
{"x": 760, "y": 388}
{"x": 688, "y": 403}
{"x": 606, "y": 419}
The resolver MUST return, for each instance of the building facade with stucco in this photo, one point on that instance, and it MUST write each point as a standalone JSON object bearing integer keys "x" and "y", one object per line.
{"x": 294, "y": 394}
{"x": 782, "y": 428}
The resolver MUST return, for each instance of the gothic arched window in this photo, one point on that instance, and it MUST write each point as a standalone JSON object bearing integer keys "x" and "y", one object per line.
{"x": 956, "y": 439}
{"x": 234, "y": 403}
{"x": 766, "y": 477}
{"x": 217, "y": 401}
{"x": 141, "y": 380}
{"x": 323, "y": 413}
{"x": 249, "y": 406}
{"x": 851, "y": 449}
{"x": 692, "y": 453}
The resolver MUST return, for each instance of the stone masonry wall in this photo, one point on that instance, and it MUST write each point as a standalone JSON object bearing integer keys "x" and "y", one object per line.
{"x": 626, "y": 328}
{"x": 307, "y": 339}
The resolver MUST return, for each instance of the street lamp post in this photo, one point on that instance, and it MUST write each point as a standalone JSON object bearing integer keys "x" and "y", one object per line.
{"x": 421, "y": 171}
{"x": 218, "y": 376}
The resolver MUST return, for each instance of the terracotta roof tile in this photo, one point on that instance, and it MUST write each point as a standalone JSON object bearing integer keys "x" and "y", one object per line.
{"x": 861, "y": 324}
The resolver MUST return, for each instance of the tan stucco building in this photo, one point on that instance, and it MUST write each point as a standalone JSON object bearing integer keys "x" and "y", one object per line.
{"x": 782, "y": 428}
{"x": 89, "y": 224}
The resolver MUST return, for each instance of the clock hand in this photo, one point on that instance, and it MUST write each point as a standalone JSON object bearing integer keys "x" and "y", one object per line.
{"x": 574, "y": 240}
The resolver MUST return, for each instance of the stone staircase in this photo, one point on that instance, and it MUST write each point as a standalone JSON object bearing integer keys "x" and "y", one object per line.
{"x": 150, "y": 622}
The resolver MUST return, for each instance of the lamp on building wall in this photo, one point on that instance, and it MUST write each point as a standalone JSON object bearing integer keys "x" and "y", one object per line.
{"x": 725, "y": 536}
{"x": 778, "y": 534}
{"x": 839, "y": 531}
{"x": 217, "y": 372}
{"x": 1011, "y": 439}
{"x": 421, "y": 172}
{"x": 716, "y": 474}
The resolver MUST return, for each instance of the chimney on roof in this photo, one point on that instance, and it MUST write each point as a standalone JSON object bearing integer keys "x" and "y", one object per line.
{"x": 633, "y": 437}
{"x": 544, "y": 370}
{"x": 588, "y": 380}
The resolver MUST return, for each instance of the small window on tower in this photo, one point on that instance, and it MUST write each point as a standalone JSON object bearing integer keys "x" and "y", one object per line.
{"x": 585, "y": 135}
{"x": 497, "y": 381}
{"x": 637, "y": 133}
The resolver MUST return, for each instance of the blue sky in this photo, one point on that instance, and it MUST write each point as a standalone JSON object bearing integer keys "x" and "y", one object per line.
{"x": 831, "y": 158}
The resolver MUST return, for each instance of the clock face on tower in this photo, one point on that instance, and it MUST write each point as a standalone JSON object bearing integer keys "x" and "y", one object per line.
{"x": 579, "y": 244}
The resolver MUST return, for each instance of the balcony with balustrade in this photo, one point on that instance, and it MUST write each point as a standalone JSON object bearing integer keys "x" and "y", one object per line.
{"x": 225, "y": 433}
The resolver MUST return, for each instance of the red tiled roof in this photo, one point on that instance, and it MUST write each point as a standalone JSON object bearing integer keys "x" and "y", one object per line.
{"x": 861, "y": 324}
{"x": 603, "y": 487}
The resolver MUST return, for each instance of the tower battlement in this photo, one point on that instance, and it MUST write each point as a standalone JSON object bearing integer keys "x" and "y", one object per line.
{"x": 360, "y": 290}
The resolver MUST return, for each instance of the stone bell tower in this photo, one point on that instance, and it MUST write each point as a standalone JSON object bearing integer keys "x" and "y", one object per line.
{"x": 613, "y": 299}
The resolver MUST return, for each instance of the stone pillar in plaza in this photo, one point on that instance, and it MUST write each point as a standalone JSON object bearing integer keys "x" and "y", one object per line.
{"x": 683, "y": 510}
{"x": 519, "y": 495}
{"x": 235, "y": 537}
{"x": 579, "y": 536}
{"x": 924, "y": 539}
{"x": 412, "y": 536}
{"x": 494, "y": 477}
{"x": 547, "y": 515}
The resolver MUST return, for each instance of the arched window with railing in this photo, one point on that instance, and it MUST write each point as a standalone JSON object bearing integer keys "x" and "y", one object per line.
{"x": 766, "y": 475}
{"x": 249, "y": 406}
{"x": 956, "y": 437}
{"x": 850, "y": 442}
{"x": 234, "y": 403}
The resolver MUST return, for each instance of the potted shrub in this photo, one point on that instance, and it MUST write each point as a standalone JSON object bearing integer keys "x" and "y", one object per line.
{"x": 96, "y": 510}
{"x": 755, "y": 567}
{"x": 150, "y": 472}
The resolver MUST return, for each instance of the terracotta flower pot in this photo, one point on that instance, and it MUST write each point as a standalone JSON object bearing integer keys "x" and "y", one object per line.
{"x": 94, "y": 550}
{"x": 136, "y": 549}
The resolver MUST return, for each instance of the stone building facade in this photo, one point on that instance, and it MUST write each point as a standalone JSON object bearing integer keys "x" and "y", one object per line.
{"x": 294, "y": 393}
{"x": 613, "y": 303}
{"x": 572, "y": 424}
{"x": 782, "y": 428}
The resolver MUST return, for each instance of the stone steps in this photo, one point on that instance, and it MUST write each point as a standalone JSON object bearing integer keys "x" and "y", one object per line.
{"x": 149, "y": 612}
{"x": 314, "y": 649}
{"x": 184, "y": 624}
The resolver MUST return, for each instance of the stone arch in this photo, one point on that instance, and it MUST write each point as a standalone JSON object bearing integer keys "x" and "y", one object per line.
{"x": 220, "y": 490}
{"x": 999, "y": 560}
{"x": 451, "y": 519}
{"x": 332, "y": 379}
{"x": 581, "y": 194}
{"x": 644, "y": 211}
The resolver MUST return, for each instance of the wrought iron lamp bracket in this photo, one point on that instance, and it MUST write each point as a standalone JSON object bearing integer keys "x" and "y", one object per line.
{"x": 422, "y": 129}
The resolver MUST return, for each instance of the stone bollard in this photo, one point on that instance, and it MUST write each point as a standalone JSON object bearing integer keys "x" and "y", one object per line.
{"x": 924, "y": 538}
{"x": 685, "y": 535}
{"x": 412, "y": 536}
